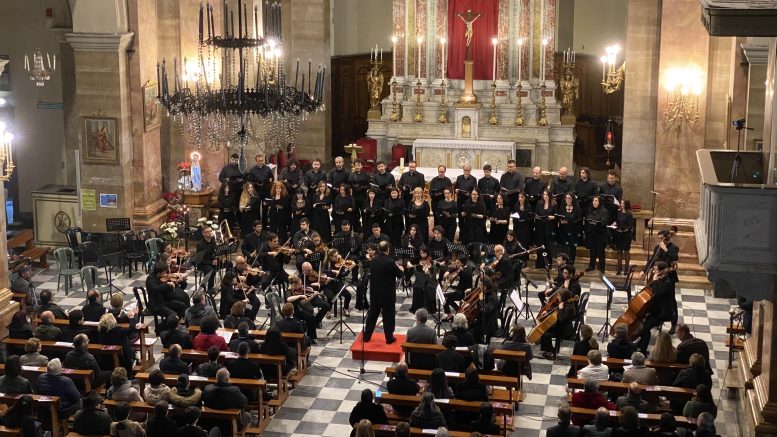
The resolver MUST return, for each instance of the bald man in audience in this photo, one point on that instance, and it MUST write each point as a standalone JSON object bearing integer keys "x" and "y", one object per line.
{"x": 633, "y": 398}
{"x": 46, "y": 330}
{"x": 400, "y": 384}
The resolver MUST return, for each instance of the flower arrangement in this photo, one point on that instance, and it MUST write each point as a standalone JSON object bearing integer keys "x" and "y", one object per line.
{"x": 168, "y": 231}
{"x": 184, "y": 167}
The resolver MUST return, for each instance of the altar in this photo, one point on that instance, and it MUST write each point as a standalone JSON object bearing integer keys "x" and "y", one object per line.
{"x": 457, "y": 153}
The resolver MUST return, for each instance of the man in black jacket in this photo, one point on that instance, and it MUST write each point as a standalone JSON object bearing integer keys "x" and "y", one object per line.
{"x": 290, "y": 324}
{"x": 564, "y": 427}
{"x": 177, "y": 333}
{"x": 76, "y": 326}
{"x": 243, "y": 337}
{"x": 360, "y": 183}
{"x": 224, "y": 396}
{"x": 669, "y": 253}
{"x": 450, "y": 360}
{"x": 244, "y": 368}
{"x": 409, "y": 181}
{"x": 93, "y": 309}
{"x": 198, "y": 310}
{"x": 437, "y": 186}
{"x": 261, "y": 176}
{"x": 173, "y": 364}
{"x": 383, "y": 274}
{"x": 367, "y": 409}
{"x": 206, "y": 249}
{"x": 80, "y": 358}
{"x": 534, "y": 186}
{"x": 511, "y": 184}
{"x": 400, "y": 384}
{"x": 47, "y": 305}
{"x": 157, "y": 290}
{"x": 338, "y": 175}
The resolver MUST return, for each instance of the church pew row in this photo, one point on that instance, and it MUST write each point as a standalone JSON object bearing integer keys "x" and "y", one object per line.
{"x": 256, "y": 385}
{"x": 65, "y": 346}
{"x": 144, "y": 344}
{"x": 503, "y": 411}
{"x": 665, "y": 371}
{"x": 298, "y": 340}
{"x": 208, "y": 413}
{"x": 512, "y": 394}
{"x": 197, "y": 357}
{"x": 649, "y": 392}
{"x": 648, "y": 419}
{"x": 433, "y": 349}
{"x": 390, "y": 431}
{"x": 48, "y": 402}
{"x": 10, "y": 432}
{"x": 32, "y": 373}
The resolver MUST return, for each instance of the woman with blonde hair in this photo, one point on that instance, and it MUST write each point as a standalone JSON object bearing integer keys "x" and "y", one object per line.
{"x": 418, "y": 213}
{"x": 663, "y": 351}
{"x": 364, "y": 429}
{"x": 249, "y": 208}
{"x": 278, "y": 210}
{"x": 110, "y": 333}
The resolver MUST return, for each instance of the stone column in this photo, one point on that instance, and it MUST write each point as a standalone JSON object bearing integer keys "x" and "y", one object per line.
{"x": 641, "y": 91}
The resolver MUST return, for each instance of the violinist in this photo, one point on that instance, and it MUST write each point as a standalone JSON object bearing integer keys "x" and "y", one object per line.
{"x": 303, "y": 308}
{"x": 359, "y": 181}
{"x": 348, "y": 242}
{"x": 418, "y": 213}
{"x": 446, "y": 213}
{"x": 437, "y": 187}
{"x": 377, "y": 236}
{"x": 438, "y": 245}
{"x": 544, "y": 224}
{"x": 233, "y": 290}
{"x": 394, "y": 207}
{"x": 372, "y": 210}
{"x": 316, "y": 257}
{"x": 340, "y": 266}
{"x": 206, "y": 250}
{"x": 667, "y": 252}
{"x": 569, "y": 217}
{"x": 486, "y": 322}
{"x": 273, "y": 259}
{"x": 320, "y": 285}
{"x": 596, "y": 234}
{"x": 343, "y": 207}
{"x": 299, "y": 211}
{"x": 456, "y": 283}
{"x": 501, "y": 272}
{"x": 159, "y": 302}
{"x": 425, "y": 283}
{"x": 304, "y": 233}
{"x": 331, "y": 279}
{"x": 361, "y": 287}
{"x": 253, "y": 241}
{"x": 279, "y": 209}
{"x": 500, "y": 220}
{"x": 320, "y": 205}
{"x": 662, "y": 305}
{"x": 251, "y": 276}
{"x": 562, "y": 329}
{"x": 303, "y": 243}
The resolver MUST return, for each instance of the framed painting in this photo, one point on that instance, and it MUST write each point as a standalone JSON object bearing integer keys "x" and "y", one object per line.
{"x": 152, "y": 118}
{"x": 100, "y": 140}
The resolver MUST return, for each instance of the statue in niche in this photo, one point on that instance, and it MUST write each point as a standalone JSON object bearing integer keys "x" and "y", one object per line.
{"x": 569, "y": 92}
{"x": 375, "y": 86}
{"x": 466, "y": 127}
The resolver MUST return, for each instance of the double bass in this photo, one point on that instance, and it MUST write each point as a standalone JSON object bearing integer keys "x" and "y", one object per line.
{"x": 549, "y": 319}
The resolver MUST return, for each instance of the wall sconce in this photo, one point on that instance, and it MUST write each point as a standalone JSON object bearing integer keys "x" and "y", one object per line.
{"x": 683, "y": 87}
{"x": 612, "y": 76}
{"x": 6, "y": 157}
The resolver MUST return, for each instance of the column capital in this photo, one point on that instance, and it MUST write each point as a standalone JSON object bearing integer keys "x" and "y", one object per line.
{"x": 99, "y": 42}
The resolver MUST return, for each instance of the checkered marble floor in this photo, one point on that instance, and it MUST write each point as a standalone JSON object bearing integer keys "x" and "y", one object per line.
{"x": 321, "y": 404}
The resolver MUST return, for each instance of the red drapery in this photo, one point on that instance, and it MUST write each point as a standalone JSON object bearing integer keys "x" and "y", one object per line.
{"x": 483, "y": 29}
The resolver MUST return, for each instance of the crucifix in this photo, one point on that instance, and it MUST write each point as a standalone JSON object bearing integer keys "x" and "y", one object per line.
{"x": 468, "y": 97}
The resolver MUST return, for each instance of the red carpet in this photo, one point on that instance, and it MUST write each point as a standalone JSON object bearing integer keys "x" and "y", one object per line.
{"x": 377, "y": 349}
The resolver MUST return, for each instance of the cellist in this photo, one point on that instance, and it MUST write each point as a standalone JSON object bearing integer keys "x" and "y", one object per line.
{"x": 662, "y": 303}
{"x": 562, "y": 329}
{"x": 568, "y": 280}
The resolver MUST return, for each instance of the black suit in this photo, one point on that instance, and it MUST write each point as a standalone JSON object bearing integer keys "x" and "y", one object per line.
{"x": 383, "y": 274}
{"x": 451, "y": 361}
{"x": 563, "y": 431}
{"x": 400, "y": 385}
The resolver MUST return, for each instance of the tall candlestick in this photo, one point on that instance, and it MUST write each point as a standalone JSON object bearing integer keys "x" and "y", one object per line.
{"x": 394, "y": 55}
{"x": 520, "y": 55}
{"x": 604, "y": 66}
{"x": 544, "y": 47}
{"x": 201, "y": 6}
{"x": 494, "y": 41}
{"x": 442, "y": 67}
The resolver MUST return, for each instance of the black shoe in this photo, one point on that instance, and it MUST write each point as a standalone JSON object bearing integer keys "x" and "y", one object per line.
{"x": 672, "y": 330}
{"x": 366, "y": 339}
{"x": 589, "y": 269}
{"x": 320, "y": 326}
{"x": 618, "y": 273}
{"x": 391, "y": 340}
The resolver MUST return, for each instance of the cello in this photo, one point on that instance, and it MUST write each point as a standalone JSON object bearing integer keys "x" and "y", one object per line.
{"x": 549, "y": 319}
{"x": 634, "y": 316}
{"x": 553, "y": 301}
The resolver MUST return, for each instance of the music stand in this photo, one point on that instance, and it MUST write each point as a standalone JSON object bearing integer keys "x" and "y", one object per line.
{"x": 404, "y": 255}
{"x": 117, "y": 226}
{"x": 440, "y": 297}
{"x": 605, "y": 330}
{"x": 341, "y": 324}
{"x": 526, "y": 310}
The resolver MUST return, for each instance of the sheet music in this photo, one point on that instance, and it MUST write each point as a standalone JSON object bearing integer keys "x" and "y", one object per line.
{"x": 515, "y": 215}
{"x": 440, "y": 294}
{"x": 515, "y": 296}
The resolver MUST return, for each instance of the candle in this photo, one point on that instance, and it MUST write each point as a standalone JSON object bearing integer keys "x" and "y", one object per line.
{"x": 520, "y": 55}
{"x": 158, "y": 80}
{"x": 604, "y": 66}
{"x": 381, "y": 54}
{"x": 544, "y": 46}
{"x": 394, "y": 55}
{"x": 256, "y": 22}
{"x": 442, "y": 46}
{"x": 200, "y": 23}
{"x": 494, "y": 41}
{"x": 401, "y": 162}
{"x": 420, "y": 41}
{"x": 296, "y": 74}
{"x": 309, "y": 74}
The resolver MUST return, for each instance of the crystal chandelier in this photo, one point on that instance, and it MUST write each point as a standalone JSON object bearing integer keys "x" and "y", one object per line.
{"x": 237, "y": 90}
{"x": 38, "y": 71}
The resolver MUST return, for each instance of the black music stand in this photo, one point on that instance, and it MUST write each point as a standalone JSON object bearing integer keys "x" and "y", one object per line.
{"x": 341, "y": 324}
{"x": 222, "y": 250}
{"x": 338, "y": 243}
{"x": 526, "y": 310}
{"x": 605, "y": 330}
{"x": 404, "y": 255}
{"x": 315, "y": 258}
{"x": 117, "y": 226}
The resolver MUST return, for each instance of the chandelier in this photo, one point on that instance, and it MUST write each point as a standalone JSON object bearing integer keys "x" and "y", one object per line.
{"x": 237, "y": 90}
{"x": 612, "y": 76}
{"x": 683, "y": 87}
{"x": 6, "y": 156}
{"x": 38, "y": 71}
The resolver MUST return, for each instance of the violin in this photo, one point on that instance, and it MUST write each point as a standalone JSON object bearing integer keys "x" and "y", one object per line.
{"x": 348, "y": 264}
{"x": 450, "y": 279}
{"x": 175, "y": 277}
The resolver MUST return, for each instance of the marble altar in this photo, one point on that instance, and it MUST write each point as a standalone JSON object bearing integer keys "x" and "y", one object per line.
{"x": 457, "y": 153}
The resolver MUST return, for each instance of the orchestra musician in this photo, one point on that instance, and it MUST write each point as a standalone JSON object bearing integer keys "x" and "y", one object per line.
{"x": 159, "y": 301}
{"x": 438, "y": 245}
{"x": 562, "y": 329}
{"x": 234, "y": 290}
{"x": 206, "y": 250}
{"x": 372, "y": 211}
{"x": 501, "y": 272}
{"x": 446, "y": 213}
{"x": 304, "y": 308}
{"x": 534, "y": 186}
{"x": 317, "y": 246}
{"x": 251, "y": 276}
{"x": 253, "y": 241}
{"x": 412, "y": 239}
{"x": 320, "y": 205}
{"x": 359, "y": 181}
{"x": 544, "y": 224}
{"x": 279, "y": 210}
{"x": 409, "y": 181}
{"x": 425, "y": 283}
{"x": 377, "y": 236}
{"x": 261, "y": 176}
{"x": 488, "y": 186}
{"x": 562, "y": 259}
{"x": 458, "y": 278}
{"x": 313, "y": 177}
{"x": 383, "y": 181}
{"x": 418, "y": 213}
{"x": 326, "y": 285}
{"x": 343, "y": 207}
{"x": 394, "y": 207}
{"x": 663, "y": 305}
{"x": 383, "y": 297}
{"x": 339, "y": 267}
{"x": 669, "y": 253}
{"x": 437, "y": 186}
{"x": 485, "y": 325}
{"x": 569, "y": 281}
{"x": 338, "y": 176}
{"x": 500, "y": 220}
{"x": 570, "y": 218}
{"x": 273, "y": 259}
{"x": 596, "y": 234}
{"x": 511, "y": 184}
{"x": 349, "y": 242}
{"x": 364, "y": 277}
{"x": 249, "y": 206}
{"x": 302, "y": 242}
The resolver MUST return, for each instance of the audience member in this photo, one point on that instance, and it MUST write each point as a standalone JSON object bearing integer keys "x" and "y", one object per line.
{"x": 209, "y": 368}
{"x": 75, "y": 326}
{"x": 600, "y": 427}
{"x": 80, "y": 358}
{"x": 117, "y": 308}
{"x": 595, "y": 369}
{"x": 621, "y": 346}
{"x": 244, "y": 337}
{"x": 93, "y": 309}
{"x": 438, "y": 385}
{"x": 638, "y": 371}
{"x": 198, "y": 310}
{"x": 694, "y": 375}
{"x": 486, "y": 422}
{"x": 702, "y": 402}
{"x": 421, "y": 333}
{"x": 663, "y": 351}
{"x": 183, "y": 395}
{"x": 237, "y": 315}
{"x": 208, "y": 336}
{"x": 19, "y": 415}
{"x": 110, "y": 333}
{"x": 586, "y": 343}
{"x": 273, "y": 344}
{"x": 46, "y": 304}
{"x": 32, "y": 356}
{"x": 589, "y": 398}
{"x": 705, "y": 426}
{"x": 471, "y": 389}
{"x": 564, "y": 428}
{"x": 191, "y": 415}
{"x": 172, "y": 363}
{"x": 12, "y": 382}
{"x": 366, "y": 408}
{"x": 400, "y": 384}
{"x": 402, "y": 429}
{"x": 52, "y": 383}
{"x": 629, "y": 424}
{"x": 92, "y": 420}
{"x": 224, "y": 396}
{"x": 156, "y": 390}
{"x": 46, "y": 330}
{"x": 291, "y": 324}
{"x": 242, "y": 367}
{"x": 124, "y": 426}
{"x": 121, "y": 389}
{"x": 427, "y": 415}
{"x": 633, "y": 398}
{"x": 690, "y": 345}
{"x": 449, "y": 360}
{"x": 517, "y": 342}
{"x": 460, "y": 328}
{"x": 159, "y": 425}
{"x": 19, "y": 327}
{"x": 363, "y": 429}
{"x": 177, "y": 333}
{"x": 667, "y": 426}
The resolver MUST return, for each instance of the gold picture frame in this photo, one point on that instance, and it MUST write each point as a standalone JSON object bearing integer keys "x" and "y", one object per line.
{"x": 100, "y": 141}
{"x": 152, "y": 117}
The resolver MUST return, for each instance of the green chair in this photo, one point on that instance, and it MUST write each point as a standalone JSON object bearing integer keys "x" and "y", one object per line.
{"x": 273, "y": 302}
{"x": 89, "y": 282}
{"x": 66, "y": 264}
{"x": 153, "y": 250}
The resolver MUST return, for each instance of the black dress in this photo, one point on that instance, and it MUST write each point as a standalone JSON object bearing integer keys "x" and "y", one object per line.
{"x": 499, "y": 230}
{"x": 279, "y": 211}
{"x": 474, "y": 228}
{"x": 622, "y": 236}
{"x": 340, "y": 211}
{"x": 372, "y": 212}
{"x": 248, "y": 214}
{"x": 524, "y": 224}
{"x": 419, "y": 215}
{"x": 445, "y": 216}
{"x": 569, "y": 220}
{"x": 319, "y": 216}
{"x": 395, "y": 224}
{"x": 596, "y": 234}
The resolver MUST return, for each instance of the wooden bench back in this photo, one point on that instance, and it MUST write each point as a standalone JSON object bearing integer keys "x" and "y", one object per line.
{"x": 647, "y": 419}
{"x": 31, "y": 372}
{"x": 649, "y": 392}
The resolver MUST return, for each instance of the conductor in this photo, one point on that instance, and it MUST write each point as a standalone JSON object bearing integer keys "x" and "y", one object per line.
{"x": 383, "y": 296}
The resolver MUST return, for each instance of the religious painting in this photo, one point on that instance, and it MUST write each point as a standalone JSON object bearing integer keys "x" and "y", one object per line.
{"x": 100, "y": 143}
{"x": 152, "y": 118}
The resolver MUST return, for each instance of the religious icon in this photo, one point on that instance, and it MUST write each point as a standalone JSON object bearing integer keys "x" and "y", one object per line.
{"x": 100, "y": 136}
{"x": 196, "y": 172}
{"x": 569, "y": 92}
{"x": 466, "y": 127}
{"x": 468, "y": 19}
{"x": 151, "y": 116}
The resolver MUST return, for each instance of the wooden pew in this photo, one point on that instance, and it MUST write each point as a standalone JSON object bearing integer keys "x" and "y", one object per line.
{"x": 50, "y": 402}
{"x": 144, "y": 344}
{"x": 142, "y": 407}
{"x": 502, "y": 354}
{"x": 664, "y": 370}
{"x": 512, "y": 394}
{"x": 297, "y": 339}
{"x": 32, "y": 372}
{"x": 647, "y": 419}
{"x": 64, "y": 346}
{"x": 10, "y": 432}
{"x": 258, "y": 385}
{"x": 390, "y": 430}
{"x": 500, "y": 408}
{"x": 649, "y": 392}
{"x": 198, "y": 357}
{"x": 27, "y": 239}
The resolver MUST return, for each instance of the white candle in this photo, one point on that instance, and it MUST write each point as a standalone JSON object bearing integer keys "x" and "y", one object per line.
{"x": 544, "y": 46}
{"x": 494, "y": 41}
{"x": 442, "y": 45}
{"x": 394, "y": 55}
{"x": 520, "y": 55}
{"x": 419, "y": 41}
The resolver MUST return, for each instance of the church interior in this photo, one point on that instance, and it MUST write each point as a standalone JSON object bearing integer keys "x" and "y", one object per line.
{"x": 554, "y": 217}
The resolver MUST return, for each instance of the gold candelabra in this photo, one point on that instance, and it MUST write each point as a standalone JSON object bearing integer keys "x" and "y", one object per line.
{"x": 394, "y": 112}
{"x": 419, "y": 116}
{"x": 612, "y": 77}
{"x": 492, "y": 120}
{"x": 6, "y": 154}
{"x": 443, "y": 118}
{"x": 542, "y": 120}
{"x": 519, "y": 107}
{"x": 683, "y": 88}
